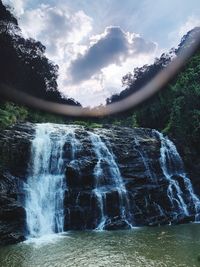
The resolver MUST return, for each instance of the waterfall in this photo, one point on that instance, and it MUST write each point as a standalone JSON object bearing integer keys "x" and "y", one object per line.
{"x": 63, "y": 171}
{"x": 107, "y": 179}
{"x": 46, "y": 185}
{"x": 172, "y": 165}
{"x": 144, "y": 158}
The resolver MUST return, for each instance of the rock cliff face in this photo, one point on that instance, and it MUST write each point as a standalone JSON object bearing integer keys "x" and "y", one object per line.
{"x": 116, "y": 178}
{"x": 154, "y": 199}
{"x": 15, "y": 146}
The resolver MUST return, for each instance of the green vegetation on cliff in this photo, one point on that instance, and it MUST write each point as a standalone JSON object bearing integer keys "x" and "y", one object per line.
{"x": 11, "y": 113}
{"x": 175, "y": 110}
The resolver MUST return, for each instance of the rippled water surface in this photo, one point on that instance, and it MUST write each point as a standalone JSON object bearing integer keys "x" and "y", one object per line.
{"x": 160, "y": 247}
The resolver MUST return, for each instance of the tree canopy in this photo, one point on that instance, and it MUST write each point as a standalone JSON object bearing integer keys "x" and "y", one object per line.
{"x": 175, "y": 110}
{"x": 23, "y": 63}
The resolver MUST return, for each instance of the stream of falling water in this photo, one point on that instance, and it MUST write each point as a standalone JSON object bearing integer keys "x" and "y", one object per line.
{"x": 113, "y": 181}
{"x": 172, "y": 165}
{"x": 46, "y": 184}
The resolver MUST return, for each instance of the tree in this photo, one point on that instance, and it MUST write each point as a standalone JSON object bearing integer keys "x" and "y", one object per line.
{"x": 23, "y": 63}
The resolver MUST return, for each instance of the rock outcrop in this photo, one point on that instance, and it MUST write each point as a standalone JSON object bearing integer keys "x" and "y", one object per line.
{"x": 137, "y": 153}
{"x": 15, "y": 144}
{"x": 141, "y": 195}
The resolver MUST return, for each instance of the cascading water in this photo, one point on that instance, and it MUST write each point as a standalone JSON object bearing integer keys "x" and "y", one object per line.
{"x": 46, "y": 185}
{"x": 144, "y": 158}
{"x": 108, "y": 182}
{"x": 56, "y": 150}
{"x": 172, "y": 165}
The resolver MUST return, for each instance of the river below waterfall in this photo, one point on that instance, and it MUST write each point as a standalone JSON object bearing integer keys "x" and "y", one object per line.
{"x": 166, "y": 246}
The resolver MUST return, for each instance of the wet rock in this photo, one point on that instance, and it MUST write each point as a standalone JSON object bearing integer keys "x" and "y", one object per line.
{"x": 14, "y": 158}
{"x": 136, "y": 153}
{"x": 79, "y": 173}
{"x": 12, "y": 213}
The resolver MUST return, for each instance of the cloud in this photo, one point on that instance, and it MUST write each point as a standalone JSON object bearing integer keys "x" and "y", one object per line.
{"x": 114, "y": 46}
{"x": 191, "y": 23}
{"x": 95, "y": 90}
{"x": 90, "y": 66}
{"x": 61, "y": 30}
{"x": 56, "y": 27}
{"x": 18, "y": 5}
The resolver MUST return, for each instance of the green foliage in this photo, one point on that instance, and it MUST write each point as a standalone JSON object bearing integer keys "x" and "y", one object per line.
{"x": 81, "y": 123}
{"x": 11, "y": 113}
{"x": 94, "y": 125}
{"x": 39, "y": 116}
{"x": 88, "y": 124}
{"x": 176, "y": 109}
{"x": 117, "y": 122}
{"x": 129, "y": 121}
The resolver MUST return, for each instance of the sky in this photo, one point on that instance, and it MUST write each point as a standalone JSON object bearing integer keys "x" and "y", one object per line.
{"x": 95, "y": 43}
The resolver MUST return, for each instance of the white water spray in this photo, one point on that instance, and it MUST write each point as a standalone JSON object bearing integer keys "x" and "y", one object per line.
{"x": 171, "y": 165}
{"x": 45, "y": 188}
{"x": 112, "y": 181}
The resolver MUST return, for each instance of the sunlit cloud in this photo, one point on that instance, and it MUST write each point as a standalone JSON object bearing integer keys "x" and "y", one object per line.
{"x": 114, "y": 46}
{"x": 89, "y": 65}
{"x": 18, "y": 5}
{"x": 190, "y": 23}
{"x": 57, "y": 27}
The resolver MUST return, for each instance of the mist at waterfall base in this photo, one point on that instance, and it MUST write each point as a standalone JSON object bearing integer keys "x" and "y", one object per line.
{"x": 46, "y": 189}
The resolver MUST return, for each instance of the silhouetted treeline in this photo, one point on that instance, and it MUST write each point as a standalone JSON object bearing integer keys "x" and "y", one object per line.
{"x": 23, "y": 63}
